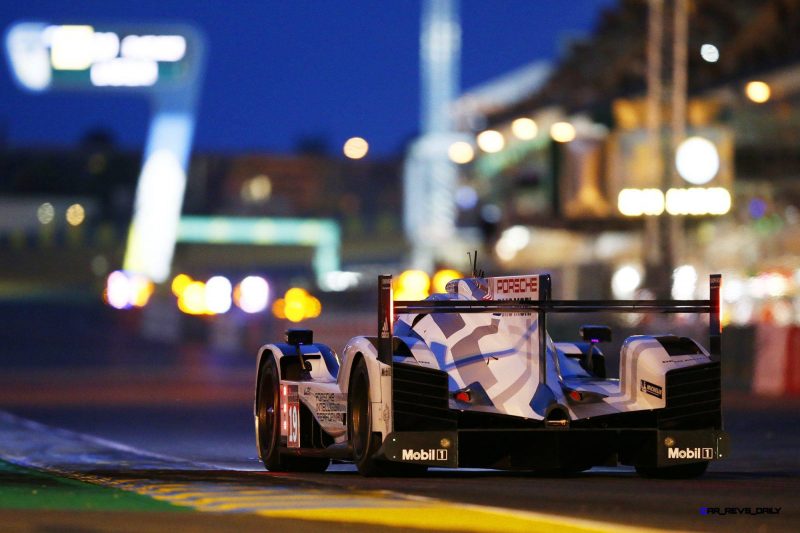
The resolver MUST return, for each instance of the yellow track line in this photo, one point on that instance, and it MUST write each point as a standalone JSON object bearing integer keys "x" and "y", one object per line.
{"x": 445, "y": 516}
{"x": 384, "y": 508}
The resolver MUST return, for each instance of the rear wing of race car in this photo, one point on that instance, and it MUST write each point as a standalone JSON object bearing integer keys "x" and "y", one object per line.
{"x": 387, "y": 308}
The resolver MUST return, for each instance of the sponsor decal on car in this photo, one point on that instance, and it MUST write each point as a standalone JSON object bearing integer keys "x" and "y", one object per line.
{"x": 690, "y": 453}
{"x": 652, "y": 389}
{"x": 431, "y": 454}
{"x": 513, "y": 287}
{"x": 329, "y": 408}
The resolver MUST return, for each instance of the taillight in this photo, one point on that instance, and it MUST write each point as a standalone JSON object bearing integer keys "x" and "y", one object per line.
{"x": 463, "y": 396}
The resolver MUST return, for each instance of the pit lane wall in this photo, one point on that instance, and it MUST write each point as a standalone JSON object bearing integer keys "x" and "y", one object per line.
{"x": 776, "y": 369}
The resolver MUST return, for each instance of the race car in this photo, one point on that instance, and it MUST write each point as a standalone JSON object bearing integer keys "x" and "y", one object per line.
{"x": 471, "y": 378}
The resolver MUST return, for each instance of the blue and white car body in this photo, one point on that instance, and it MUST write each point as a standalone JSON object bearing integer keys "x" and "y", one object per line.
{"x": 470, "y": 378}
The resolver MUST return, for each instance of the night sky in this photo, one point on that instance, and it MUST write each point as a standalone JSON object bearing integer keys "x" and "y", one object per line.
{"x": 279, "y": 72}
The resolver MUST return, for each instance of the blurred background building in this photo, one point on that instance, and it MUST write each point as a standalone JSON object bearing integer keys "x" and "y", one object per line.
{"x": 552, "y": 167}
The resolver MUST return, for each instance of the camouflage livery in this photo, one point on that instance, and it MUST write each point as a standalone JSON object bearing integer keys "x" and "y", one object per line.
{"x": 477, "y": 361}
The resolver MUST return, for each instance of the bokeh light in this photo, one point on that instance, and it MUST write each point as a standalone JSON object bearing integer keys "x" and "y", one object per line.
{"x": 758, "y": 91}
{"x": 625, "y": 281}
{"x": 442, "y": 277}
{"x": 511, "y": 241}
{"x": 75, "y": 215}
{"x": 179, "y": 284}
{"x": 46, "y": 213}
{"x": 412, "y": 285}
{"x": 491, "y": 141}
{"x": 251, "y": 295}
{"x": 257, "y": 189}
{"x": 698, "y": 201}
{"x": 697, "y": 160}
{"x": 524, "y": 129}
{"x": 125, "y": 290}
{"x": 709, "y": 53}
{"x": 684, "y": 282}
{"x": 562, "y": 132}
{"x": 637, "y": 202}
{"x": 118, "y": 290}
{"x": 460, "y": 152}
{"x": 218, "y": 295}
{"x": 356, "y": 147}
{"x": 466, "y": 197}
{"x": 297, "y": 305}
{"x": 192, "y": 300}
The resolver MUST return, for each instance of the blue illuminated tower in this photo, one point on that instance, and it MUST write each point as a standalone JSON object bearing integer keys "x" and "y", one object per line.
{"x": 429, "y": 177}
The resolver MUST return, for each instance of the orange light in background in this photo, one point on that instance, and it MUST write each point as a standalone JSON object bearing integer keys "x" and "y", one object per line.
{"x": 293, "y": 310}
{"x": 758, "y": 91}
{"x": 193, "y": 299}
{"x": 278, "y": 308}
{"x": 442, "y": 277}
{"x": 125, "y": 290}
{"x": 297, "y": 305}
{"x": 75, "y": 215}
{"x": 141, "y": 289}
{"x": 412, "y": 285}
{"x": 313, "y": 307}
{"x": 179, "y": 284}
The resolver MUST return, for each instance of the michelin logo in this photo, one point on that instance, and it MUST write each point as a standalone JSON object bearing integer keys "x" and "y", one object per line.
{"x": 432, "y": 454}
{"x": 690, "y": 453}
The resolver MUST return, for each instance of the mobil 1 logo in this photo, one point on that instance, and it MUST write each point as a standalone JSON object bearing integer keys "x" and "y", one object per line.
{"x": 432, "y": 454}
{"x": 652, "y": 389}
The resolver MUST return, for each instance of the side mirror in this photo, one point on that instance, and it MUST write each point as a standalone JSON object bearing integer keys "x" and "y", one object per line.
{"x": 595, "y": 334}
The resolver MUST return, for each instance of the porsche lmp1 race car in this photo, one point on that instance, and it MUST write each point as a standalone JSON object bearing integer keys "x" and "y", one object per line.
{"x": 470, "y": 378}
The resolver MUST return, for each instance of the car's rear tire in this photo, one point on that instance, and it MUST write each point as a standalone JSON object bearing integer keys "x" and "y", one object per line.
{"x": 364, "y": 441}
{"x": 268, "y": 424}
{"x": 686, "y": 471}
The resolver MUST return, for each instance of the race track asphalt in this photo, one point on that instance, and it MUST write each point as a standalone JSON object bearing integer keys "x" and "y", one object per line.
{"x": 762, "y": 472}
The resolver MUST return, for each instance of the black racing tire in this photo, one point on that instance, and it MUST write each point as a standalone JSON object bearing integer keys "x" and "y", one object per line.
{"x": 364, "y": 441}
{"x": 268, "y": 415}
{"x": 687, "y": 471}
{"x": 268, "y": 423}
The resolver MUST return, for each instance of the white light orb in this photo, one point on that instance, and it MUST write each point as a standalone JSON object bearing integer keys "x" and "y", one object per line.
{"x": 460, "y": 152}
{"x": 491, "y": 141}
{"x": 252, "y": 294}
{"x": 218, "y": 295}
{"x": 356, "y": 148}
{"x": 684, "y": 282}
{"x": 625, "y": 281}
{"x": 563, "y": 132}
{"x": 697, "y": 160}
{"x": 524, "y": 128}
{"x": 709, "y": 53}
